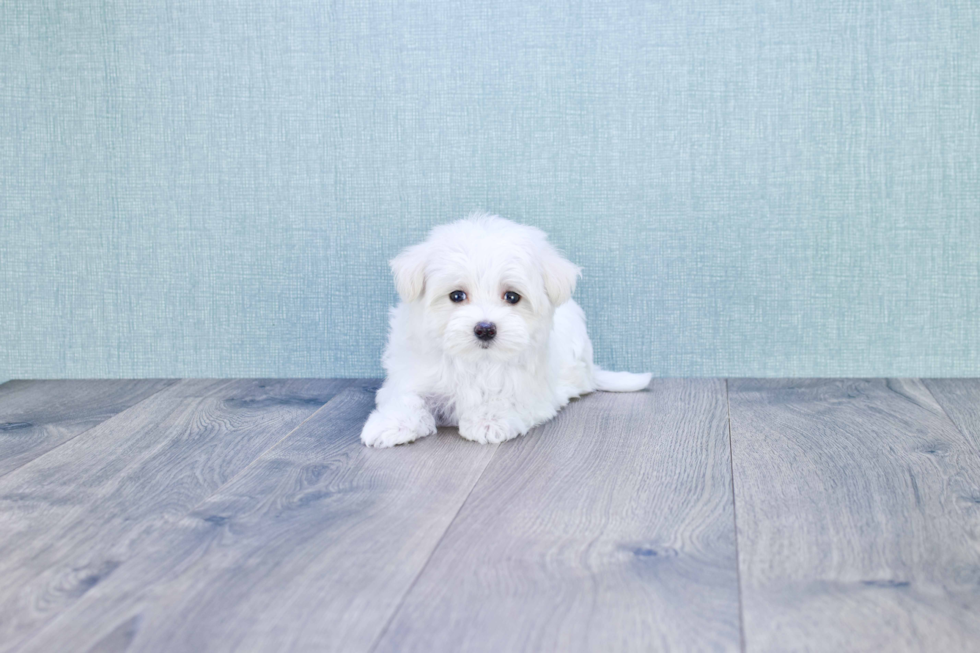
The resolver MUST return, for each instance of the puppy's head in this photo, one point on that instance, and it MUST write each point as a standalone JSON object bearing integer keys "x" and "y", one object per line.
{"x": 485, "y": 286}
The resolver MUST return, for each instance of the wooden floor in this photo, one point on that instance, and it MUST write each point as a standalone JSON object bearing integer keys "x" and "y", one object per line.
{"x": 757, "y": 515}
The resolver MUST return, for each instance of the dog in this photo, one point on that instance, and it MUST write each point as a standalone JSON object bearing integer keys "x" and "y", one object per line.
{"x": 486, "y": 337}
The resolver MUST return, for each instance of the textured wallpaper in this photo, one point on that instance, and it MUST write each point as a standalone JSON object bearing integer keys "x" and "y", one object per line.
{"x": 206, "y": 188}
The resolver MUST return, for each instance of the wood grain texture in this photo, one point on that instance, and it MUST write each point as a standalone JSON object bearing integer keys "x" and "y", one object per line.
{"x": 607, "y": 529}
{"x": 71, "y": 517}
{"x": 858, "y": 509}
{"x": 310, "y": 548}
{"x": 960, "y": 398}
{"x": 37, "y": 416}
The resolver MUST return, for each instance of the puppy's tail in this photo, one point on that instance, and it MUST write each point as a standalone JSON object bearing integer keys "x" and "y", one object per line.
{"x": 620, "y": 381}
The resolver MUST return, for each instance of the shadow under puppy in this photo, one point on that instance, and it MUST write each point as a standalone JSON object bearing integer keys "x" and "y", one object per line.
{"x": 486, "y": 337}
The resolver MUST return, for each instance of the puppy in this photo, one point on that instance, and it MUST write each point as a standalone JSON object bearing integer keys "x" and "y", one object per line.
{"x": 486, "y": 337}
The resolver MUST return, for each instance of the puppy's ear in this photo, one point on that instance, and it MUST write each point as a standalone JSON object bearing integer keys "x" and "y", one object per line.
{"x": 409, "y": 270}
{"x": 560, "y": 275}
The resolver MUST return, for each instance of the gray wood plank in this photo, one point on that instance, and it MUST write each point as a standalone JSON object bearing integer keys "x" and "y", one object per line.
{"x": 71, "y": 517}
{"x": 608, "y": 529}
{"x": 857, "y": 505}
{"x": 310, "y": 548}
{"x": 37, "y": 416}
{"x": 960, "y": 398}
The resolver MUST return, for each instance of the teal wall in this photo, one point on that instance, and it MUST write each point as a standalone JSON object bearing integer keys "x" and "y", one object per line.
{"x": 209, "y": 188}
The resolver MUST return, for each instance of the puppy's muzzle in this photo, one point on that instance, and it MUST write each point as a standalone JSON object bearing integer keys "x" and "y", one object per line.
{"x": 485, "y": 331}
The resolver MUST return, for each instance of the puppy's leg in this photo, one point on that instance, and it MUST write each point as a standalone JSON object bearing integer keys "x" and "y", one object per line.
{"x": 398, "y": 420}
{"x": 488, "y": 426}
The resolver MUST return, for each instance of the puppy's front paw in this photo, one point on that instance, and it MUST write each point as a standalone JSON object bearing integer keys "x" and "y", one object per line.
{"x": 386, "y": 430}
{"x": 487, "y": 430}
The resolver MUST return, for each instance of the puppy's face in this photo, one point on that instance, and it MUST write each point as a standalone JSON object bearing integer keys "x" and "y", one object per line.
{"x": 486, "y": 287}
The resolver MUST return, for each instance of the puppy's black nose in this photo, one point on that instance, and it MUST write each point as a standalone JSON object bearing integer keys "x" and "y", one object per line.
{"x": 485, "y": 331}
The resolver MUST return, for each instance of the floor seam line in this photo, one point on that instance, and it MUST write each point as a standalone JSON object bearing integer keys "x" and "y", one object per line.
{"x": 81, "y": 433}
{"x": 432, "y": 554}
{"x": 738, "y": 562}
{"x": 273, "y": 445}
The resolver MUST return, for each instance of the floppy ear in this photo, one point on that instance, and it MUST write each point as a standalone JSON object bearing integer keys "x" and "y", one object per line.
{"x": 409, "y": 270}
{"x": 560, "y": 275}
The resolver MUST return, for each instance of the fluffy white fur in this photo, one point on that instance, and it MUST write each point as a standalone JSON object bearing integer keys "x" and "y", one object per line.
{"x": 440, "y": 373}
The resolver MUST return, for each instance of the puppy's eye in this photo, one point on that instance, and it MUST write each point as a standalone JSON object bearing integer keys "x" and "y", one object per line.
{"x": 457, "y": 296}
{"x": 511, "y": 297}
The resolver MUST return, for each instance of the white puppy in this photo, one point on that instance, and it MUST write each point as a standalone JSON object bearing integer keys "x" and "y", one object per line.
{"x": 486, "y": 337}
